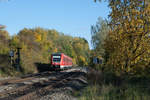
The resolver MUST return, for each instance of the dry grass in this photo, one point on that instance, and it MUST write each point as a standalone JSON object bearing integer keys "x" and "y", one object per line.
{"x": 103, "y": 87}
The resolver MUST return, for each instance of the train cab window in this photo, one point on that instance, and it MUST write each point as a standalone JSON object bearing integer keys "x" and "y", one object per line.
{"x": 56, "y": 58}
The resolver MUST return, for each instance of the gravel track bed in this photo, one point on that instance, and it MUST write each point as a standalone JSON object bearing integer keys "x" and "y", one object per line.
{"x": 47, "y": 85}
{"x": 64, "y": 91}
{"x": 59, "y": 94}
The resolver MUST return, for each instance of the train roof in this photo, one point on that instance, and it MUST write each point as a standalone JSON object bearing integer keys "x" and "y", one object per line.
{"x": 57, "y": 54}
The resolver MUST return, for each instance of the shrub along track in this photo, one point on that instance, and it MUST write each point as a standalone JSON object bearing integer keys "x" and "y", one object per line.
{"x": 40, "y": 88}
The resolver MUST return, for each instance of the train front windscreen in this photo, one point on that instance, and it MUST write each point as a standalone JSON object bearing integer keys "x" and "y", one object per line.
{"x": 56, "y": 58}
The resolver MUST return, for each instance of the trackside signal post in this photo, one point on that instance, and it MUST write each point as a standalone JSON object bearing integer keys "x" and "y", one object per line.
{"x": 11, "y": 55}
{"x": 15, "y": 58}
{"x": 97, "y": 60}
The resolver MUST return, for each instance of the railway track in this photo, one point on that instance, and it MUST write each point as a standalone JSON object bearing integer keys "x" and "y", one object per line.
{"x": 46, "y": 83}
{"x": 23, "y": 78}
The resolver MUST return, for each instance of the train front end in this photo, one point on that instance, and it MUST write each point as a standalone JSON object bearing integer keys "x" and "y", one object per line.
{"x": 55, "y": 61}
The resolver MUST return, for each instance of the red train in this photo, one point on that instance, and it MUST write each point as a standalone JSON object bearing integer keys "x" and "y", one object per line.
{"x": 60, "y": 61}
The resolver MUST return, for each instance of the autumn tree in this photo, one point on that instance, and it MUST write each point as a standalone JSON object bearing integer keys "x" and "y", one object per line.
{"x": 99, "y": 33}
{"x": 2, "y": 27}
{"x": 4, "y": 40}
{"x": 81, "y": 49}
{"x": 39, "y": 43}
{"x": 128, "y": 41}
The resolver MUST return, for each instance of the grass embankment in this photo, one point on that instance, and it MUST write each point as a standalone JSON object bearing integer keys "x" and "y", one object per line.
{"x": 106, "y": 86}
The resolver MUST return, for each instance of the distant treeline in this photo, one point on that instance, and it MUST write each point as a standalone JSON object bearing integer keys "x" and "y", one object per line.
{"x": 36, "y": 47}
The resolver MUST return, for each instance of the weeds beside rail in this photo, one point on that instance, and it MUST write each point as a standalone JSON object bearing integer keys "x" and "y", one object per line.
{"x": 106, "y": 86}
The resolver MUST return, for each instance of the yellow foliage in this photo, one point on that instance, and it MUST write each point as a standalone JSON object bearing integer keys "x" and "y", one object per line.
{"x": 38, "y": 37}
{"x": 74, "y": 61}
{"x": 55, "y": 50}
{"x": 128, "y": 43}
{"x": 82, "y": 60}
